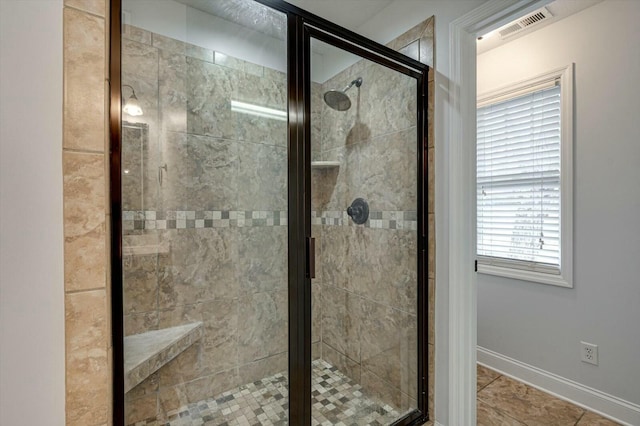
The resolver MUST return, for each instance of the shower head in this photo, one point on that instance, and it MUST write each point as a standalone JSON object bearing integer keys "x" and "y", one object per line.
{"x": 338, "y": 99}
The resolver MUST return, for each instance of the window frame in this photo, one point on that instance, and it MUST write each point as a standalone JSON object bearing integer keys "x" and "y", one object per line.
{"x": 524, "y": 270}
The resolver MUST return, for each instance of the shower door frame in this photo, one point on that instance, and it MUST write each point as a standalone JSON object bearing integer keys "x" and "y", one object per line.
{"x": 301, "y": 27}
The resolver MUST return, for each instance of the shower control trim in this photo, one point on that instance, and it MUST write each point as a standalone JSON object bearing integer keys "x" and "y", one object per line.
{"x": 358, "y": 211}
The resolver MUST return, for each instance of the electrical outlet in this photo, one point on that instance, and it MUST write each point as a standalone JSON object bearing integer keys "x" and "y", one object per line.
{"x": 589, "y": 353}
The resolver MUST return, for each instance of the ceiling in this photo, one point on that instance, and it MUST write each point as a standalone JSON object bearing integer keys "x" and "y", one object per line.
{"x": 355, "y": 15}
{"x": 351, "y": 14}
{"x": 560, "y": 9}
{"x": 246, "y": 13}
{"x": 359, "y": 16}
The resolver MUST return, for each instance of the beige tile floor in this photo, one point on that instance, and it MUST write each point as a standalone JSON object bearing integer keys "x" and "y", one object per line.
{"x": 503, "y": 401}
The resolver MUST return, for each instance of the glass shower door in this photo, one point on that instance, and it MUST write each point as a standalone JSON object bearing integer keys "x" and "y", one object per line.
{"x": 364, "y": 215}
{"x": 204, "y": 200}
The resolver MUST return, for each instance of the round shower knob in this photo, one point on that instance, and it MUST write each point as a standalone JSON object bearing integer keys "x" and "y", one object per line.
{"x": 358, "y": 211}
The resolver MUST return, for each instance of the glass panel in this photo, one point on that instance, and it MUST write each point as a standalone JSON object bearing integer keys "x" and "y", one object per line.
{"x": 204, "y": 212}
{"x": 364, "y": 149}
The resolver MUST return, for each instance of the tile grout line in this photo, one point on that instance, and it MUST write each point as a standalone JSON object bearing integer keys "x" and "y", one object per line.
{"x": 478, "y": 391}
{"x": 77, "y": 9}
{"x": 514, "y": 418}
{"x": 486, "y": 401}
{"x": 67, "y": 292}
{"x": 498, "y": 409}
{"x": 583, "y": 413}
{"x": 522, "y": 422}
{"x": 82, "y": 151}
{"x": 341, "y": 353}
{"x": 362, "y": 296}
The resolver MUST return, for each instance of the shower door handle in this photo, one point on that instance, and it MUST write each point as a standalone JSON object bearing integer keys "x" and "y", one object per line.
{"x": 311, "y": 256}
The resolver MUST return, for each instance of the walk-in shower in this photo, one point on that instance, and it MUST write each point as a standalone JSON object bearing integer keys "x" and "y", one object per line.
{"x": 243, "y": 301}
{"x": 338, "y": 99}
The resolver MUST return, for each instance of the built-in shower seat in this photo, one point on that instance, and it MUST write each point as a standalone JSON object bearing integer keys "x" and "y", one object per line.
{"x": 146, "y": 353}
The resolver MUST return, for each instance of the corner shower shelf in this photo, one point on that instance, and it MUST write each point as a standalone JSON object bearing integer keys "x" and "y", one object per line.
{"x": 324, "y": 164}
{"x": 146, "y": 353}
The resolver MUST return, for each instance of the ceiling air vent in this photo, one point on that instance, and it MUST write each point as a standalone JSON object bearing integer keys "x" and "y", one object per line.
{"x": 527, "y": 21}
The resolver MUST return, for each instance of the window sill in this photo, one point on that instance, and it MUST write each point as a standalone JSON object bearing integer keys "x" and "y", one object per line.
{"x": 518, "y": 274}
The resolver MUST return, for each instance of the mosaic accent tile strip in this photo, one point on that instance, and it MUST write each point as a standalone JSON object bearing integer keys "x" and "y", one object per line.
{"x": 387, "y": 219}
{"x": 186, "y": 219}
{"x": 337, "y": 401}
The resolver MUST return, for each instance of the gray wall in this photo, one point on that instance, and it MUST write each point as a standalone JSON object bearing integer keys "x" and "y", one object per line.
{"x": 31, "y": 246}
{"x": 543, "y": 325}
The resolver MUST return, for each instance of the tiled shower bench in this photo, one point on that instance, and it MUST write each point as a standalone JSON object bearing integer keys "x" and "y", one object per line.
{"x": 146, "y": 353}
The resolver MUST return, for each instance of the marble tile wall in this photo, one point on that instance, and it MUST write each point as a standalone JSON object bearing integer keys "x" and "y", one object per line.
{"x": 86, "y": 214}
{"x": 366, "y": 285}
{"x": 218, "y": 212}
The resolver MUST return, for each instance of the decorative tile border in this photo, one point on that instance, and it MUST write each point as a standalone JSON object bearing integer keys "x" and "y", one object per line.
{"x": 384, "y": 219}
{"x": 187, "y": 219}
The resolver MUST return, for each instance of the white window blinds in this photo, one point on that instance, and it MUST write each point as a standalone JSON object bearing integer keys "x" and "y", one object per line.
{"x": 518, "y": 179}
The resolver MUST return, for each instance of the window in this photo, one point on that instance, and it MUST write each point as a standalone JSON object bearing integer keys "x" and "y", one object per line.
{"x": 524, "y": 180}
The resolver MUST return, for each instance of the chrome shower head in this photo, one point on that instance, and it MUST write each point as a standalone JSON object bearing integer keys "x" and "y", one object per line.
{"x": 338, "y": 99}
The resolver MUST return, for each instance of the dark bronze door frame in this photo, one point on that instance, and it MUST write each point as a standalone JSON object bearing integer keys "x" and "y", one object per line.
{"x": 302, "y": 26}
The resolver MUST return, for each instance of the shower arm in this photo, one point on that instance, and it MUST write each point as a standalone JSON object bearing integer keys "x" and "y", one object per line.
{"x": 357, "y": 82}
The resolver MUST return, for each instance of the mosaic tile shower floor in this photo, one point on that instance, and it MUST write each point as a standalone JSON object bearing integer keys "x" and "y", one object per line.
{"x": 337, "y": 401}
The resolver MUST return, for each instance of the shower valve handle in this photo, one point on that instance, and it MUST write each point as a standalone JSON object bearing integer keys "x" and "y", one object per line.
{"x": 358, "y": 211}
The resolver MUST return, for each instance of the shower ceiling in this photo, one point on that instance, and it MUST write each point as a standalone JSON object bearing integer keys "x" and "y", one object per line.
{"x": 246, "y": 13}
{"x": 350, "y": 14}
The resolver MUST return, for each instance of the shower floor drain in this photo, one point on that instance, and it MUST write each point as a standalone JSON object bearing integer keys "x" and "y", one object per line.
{"x": 337, "y": 400}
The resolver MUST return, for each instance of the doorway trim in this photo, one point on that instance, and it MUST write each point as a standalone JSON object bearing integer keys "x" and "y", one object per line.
{"x": 460, "y": 166}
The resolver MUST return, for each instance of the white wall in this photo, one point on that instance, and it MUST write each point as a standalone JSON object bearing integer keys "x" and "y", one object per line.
{"x": 543, "y": 325}
{"x": 31, "y": 239}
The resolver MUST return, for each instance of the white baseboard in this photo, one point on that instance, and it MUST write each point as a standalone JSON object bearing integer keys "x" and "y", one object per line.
{"x": 609, "y": 406}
